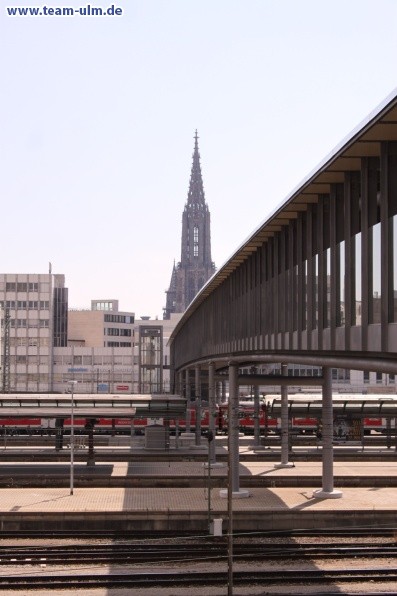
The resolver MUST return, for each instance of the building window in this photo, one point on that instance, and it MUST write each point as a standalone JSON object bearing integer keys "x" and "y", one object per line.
{"x": 33, "y": 287}
{"x": 112, "y": 331}
{"x": 10, "y": 286}
{"x": 125, "y": 332}
{"x": 22, "y": 287}
{"x": 102, "y": 306}
{"x": 44, "y": 305}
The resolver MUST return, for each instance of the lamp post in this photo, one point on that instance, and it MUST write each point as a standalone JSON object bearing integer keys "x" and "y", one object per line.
{"x": 72, "y": 384}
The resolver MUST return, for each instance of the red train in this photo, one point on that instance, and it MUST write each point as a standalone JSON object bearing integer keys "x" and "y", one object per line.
{"x": 269, "y": 423}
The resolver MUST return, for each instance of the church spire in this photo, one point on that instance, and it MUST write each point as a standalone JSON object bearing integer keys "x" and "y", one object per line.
{"x": 196, "y": 189}
{"x": 195, "y": 266}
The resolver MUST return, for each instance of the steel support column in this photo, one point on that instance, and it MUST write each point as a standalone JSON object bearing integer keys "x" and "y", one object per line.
{"x": 233, "y": 438}
{"x": 197, "y": 383}
{"x": 233, "y": 428}
{"x": 284, "y": 423}
{"x": 327, "y": 491}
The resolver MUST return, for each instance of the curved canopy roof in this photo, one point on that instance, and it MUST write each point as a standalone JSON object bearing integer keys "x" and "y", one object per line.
{"x": 360, "y": 407}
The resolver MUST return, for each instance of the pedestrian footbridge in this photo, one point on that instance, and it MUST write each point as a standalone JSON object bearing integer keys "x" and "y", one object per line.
{"x": 315, "y": 284}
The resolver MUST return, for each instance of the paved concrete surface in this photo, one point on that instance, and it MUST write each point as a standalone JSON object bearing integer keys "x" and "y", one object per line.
{"x": 163, "y": 499}
{"x": 84, "y": 500}
{"x": 154, "y": 500}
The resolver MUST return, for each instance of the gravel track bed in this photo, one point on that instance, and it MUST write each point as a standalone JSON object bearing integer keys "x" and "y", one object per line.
{"x": 284, "y": 564}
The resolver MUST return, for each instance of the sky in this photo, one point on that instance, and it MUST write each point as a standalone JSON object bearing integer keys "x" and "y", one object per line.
{"x": 98, "y": 114}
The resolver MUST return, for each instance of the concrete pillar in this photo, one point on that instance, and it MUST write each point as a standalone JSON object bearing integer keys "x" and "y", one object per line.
{"x": 233, "y": 438}
{"x": 284, "y": 424}
{"x": 197, "y": 382}
{"x": 327, "y": 491}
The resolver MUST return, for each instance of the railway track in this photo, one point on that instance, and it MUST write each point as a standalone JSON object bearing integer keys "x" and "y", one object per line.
{"x": 117, "y": 534}
{"x": 112, "y": 554}
{"x": 184, "y": 579}
{"x": 172, "y": 563}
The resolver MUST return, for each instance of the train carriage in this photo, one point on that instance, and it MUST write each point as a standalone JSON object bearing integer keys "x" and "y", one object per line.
{"x": 377, "y": 412}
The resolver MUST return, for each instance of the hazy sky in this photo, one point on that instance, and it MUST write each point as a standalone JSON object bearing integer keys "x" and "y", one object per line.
{"x": 97, "y": 118}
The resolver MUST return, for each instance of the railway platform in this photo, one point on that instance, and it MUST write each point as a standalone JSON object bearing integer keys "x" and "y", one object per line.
{"x": 166, "y": 499}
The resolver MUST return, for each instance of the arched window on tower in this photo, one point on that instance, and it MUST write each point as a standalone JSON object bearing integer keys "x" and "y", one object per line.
{"x": 195, "y": 241}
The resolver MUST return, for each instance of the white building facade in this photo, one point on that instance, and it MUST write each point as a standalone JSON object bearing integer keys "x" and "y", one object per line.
{"x": 34, "y": 323}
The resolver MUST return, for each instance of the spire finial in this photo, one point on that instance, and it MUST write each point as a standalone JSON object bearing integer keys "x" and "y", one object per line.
{"x": 196, "y": 190}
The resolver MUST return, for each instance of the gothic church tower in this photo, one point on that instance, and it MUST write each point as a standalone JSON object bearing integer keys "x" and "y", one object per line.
{"x": 195, "y": 266}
